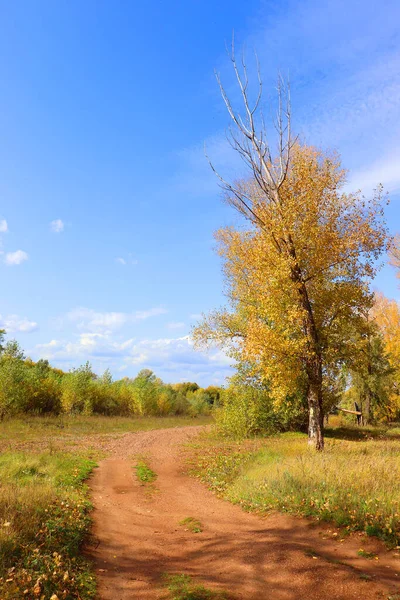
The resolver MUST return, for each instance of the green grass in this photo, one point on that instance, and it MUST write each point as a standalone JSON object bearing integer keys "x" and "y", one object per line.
{"x": 355, "y": 483}
{"x": 65, "y": 426}
{"x": 44, "y": 518}
{"x": 181, "y": 587}
{"x": 144, "y": 473}
{"x": 365, "y": 554}
{"x": 192, "y": 525}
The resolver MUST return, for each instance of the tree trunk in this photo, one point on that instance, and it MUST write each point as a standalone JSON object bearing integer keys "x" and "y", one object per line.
{"x": 313, "y": 363}
{"x": 315, "y": 416}
{"x": 366, "y": 410}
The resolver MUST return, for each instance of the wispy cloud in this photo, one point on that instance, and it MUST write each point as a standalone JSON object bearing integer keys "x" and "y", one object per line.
{"x": 174, "y": 359}
{"x": 341, "y": 100}
{"x": 99, "y": 322}
{"x": 16, "y": 324}
{"x": 15, "y": 258}
{"x": 57, "y": 226}
{"x": 3, "y": 226}
{"x": 385, "y": 171}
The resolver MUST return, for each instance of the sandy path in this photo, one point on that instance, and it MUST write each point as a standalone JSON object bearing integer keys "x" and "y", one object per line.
{"x": 139, "y": 537}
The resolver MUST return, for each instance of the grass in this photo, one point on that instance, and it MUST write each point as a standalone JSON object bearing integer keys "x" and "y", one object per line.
{"x": 67, "y": 426}
{"x": 181, "y": 587}
{"x": 192, "y": 525}
{"x": 44, "y": 507}
{"x": 365, "y": 554}
{"x": 44, "y": 518}
{"x": 355, "y": 483}
{"x": 144, "y": 473}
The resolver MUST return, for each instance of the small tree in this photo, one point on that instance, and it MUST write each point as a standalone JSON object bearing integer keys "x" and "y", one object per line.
{"x": 2, "y": 334}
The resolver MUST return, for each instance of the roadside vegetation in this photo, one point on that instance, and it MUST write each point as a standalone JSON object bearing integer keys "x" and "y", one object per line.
{"x": 354, "y": 484}
{"x": 44, "y": 519}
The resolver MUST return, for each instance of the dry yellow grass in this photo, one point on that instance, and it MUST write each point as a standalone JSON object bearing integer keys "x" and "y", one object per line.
{"x": 355, "y": 483}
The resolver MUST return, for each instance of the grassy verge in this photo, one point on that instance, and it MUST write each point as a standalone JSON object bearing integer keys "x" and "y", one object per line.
{"x": 181, "y": 587}
{"x": 64, "y": 426}
{"x": 44, "y": 518}
{"x": 355, "y": 483}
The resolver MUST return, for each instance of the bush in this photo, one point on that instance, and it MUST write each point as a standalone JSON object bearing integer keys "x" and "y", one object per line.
{"x": 199, "y": 403}
{"x": 246, "y": 411}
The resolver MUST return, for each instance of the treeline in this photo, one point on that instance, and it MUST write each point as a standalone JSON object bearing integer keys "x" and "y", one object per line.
{"x": 38, "y": 388}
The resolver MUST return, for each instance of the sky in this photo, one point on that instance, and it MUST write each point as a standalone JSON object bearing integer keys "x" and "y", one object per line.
{"x": 107, "y": 202}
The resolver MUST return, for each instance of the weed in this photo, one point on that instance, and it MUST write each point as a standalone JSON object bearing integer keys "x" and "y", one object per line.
{"x": 192, "y": 525}
{"x": 311, "y": 553}
{"x": 44, "y": 518}
{"x": 181, "y": 587}
{"x": 144, "y": 473}
{"x": 365, "y": 554}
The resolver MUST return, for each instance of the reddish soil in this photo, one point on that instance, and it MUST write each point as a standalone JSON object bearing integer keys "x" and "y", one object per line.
{"x": 138, "y": 537}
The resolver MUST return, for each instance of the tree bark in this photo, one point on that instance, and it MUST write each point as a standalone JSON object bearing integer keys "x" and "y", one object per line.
{"x": 366, "y": 410}
{"x": 315, "y": 416}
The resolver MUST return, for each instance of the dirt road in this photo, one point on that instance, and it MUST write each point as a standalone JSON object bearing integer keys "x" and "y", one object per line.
{"x": 274, "y": 558}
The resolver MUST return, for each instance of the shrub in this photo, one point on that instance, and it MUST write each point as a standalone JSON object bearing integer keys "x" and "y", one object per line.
{"x": 247, "y": 410}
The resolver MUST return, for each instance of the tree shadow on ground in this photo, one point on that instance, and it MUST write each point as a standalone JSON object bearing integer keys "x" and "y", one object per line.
{"x": 361, "y": 434}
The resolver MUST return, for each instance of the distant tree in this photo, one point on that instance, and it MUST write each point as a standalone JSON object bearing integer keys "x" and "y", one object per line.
{"x": 371, "y": 376}
{"x": 214, "y": 393}
{"x": 42, "y": 367}
{"x": 185, "y": 387}
{"x": 106, "y": 378}
{"x": 146, "y": 375}
{"x": 13, "y": 350}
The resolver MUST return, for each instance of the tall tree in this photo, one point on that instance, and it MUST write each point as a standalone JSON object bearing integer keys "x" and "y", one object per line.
{"x": 299, "y": 275}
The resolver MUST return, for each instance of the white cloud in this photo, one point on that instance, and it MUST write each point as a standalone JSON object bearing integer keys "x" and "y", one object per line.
{"x": 96, "y": 321}
{"x": 3, "y": 226}
{"x": 173, "y": 359}
{"x": 16, "y": 324}
{"x": 121, "y": 261}
{"x": 57, "y": 226}
{"x": 15, "y": 258}
{"x": 385, "y": 171}
{"x": 51, "y": 344}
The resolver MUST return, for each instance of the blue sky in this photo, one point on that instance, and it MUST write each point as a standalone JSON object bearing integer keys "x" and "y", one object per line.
{"x": 107, "y": 204}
